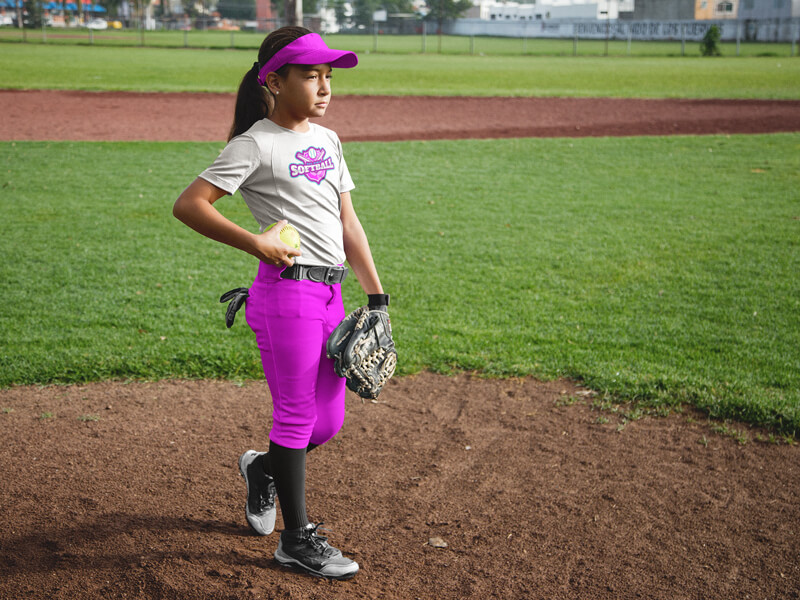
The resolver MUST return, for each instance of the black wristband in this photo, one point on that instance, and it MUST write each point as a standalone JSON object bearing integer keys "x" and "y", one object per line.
{"x": 376, "y": 301}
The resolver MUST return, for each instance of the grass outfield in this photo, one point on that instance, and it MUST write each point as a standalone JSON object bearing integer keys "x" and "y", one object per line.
{"x": 158, "y": 69}
{"x": 662, "y": 270}
{"x": 394, "y": 44}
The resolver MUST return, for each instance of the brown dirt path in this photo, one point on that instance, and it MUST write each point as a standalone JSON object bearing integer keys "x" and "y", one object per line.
{"x": 534, "y": 498}
{"x": 56, "y": 115}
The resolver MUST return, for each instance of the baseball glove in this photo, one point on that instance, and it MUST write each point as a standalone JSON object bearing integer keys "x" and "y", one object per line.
{"x": 363, "y": 351}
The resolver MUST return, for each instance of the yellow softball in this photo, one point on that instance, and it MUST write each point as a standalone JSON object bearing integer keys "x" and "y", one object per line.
{"x": 288, "y": 235}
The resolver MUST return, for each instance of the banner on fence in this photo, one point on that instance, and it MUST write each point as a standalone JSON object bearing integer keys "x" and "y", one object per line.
{"x": 770, "y": 30}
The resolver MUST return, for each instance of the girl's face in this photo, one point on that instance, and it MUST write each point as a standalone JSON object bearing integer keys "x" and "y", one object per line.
{"x": 305, "y": 92}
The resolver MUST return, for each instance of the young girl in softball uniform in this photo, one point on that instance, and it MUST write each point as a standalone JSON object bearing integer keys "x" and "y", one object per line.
{"x": 290, "y": 170}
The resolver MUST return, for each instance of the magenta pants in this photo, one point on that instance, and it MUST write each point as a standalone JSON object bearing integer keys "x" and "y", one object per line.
{"x": 292, "y": 321}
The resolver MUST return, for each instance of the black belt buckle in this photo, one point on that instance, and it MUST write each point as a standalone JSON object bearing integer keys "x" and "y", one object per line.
{"x": 317, "y": 274}
{"x": 327, "y": 275}
{"x": 335, "y": 275}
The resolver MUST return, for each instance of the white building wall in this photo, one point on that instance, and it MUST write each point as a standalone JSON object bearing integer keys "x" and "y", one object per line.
{"x": 491, "y": 10}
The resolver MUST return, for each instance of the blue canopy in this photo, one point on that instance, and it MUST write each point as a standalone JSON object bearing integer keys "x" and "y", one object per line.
{"x": 70, "y": 6}
{"x": 95, "y": 8}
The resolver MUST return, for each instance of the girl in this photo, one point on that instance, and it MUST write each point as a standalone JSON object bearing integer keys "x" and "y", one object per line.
{"x": 290, "y": 170}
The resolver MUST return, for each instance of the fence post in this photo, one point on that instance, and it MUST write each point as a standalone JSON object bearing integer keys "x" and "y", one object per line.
{"x": 630, "y": 35}
{"x": 795, "y": 29}
{"x": 472, "y": 44}
{"x": 738, "y": 36}
{"x": 91, "y": 36}
{"x": 575, "y": 43}
{"x": 524, "y": 38}
{"x": 232, "y": 38}
{"x": 424, "y": 36}
{"x": 44, "y": 32}
{"x": 374, "y": 37}
{"x": 683, "y": 39}
{"x": 185, "y": 39}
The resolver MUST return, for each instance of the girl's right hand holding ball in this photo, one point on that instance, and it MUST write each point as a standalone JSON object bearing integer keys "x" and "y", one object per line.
{"x": 272, "y": 249}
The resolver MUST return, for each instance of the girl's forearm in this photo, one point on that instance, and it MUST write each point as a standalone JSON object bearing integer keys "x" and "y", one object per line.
{"x": 195, "y": 208}
{"x": 359, "y": 257}
{"x": 205, "y": 219}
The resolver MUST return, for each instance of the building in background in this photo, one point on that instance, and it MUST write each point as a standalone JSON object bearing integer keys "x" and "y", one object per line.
{"x": 717, "y": 9}
{"x": 265, "y": 15}
{"x": 769, "y": 9}
{"x": 545, "y": 10}
{"x": 769, "y": 20}
{"x": 658, "y": 10}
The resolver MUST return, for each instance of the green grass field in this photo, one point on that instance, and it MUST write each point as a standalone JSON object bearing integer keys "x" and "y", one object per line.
{"x": 50, "y": 66}
{"x": 656, "y": 270}
{"x": 661, "y": 270}
{"x": 393, "y": 44}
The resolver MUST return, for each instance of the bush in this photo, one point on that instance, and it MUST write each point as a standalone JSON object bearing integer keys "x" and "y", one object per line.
{"x": 710, "y": 44}
{"x": 32, "y": 17}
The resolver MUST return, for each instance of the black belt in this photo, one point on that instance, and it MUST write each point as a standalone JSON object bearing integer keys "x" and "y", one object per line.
{"x": 320, "y": 274}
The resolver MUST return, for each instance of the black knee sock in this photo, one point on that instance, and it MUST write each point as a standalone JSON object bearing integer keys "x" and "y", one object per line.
{"x": 262, "y": 460}
{"x": 289, "y": 470}
{"x": 266, "y": 466}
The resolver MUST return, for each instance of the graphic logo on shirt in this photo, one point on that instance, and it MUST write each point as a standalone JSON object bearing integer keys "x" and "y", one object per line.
{"x": 314, "y": 164}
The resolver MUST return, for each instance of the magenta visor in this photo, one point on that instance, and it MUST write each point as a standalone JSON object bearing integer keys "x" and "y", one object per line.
{"x": 309, "y": 49}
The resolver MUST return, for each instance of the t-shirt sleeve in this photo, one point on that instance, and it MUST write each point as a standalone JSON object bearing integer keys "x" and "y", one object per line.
{"x": 234, "y": 165}
{"x": 345, "y": 180}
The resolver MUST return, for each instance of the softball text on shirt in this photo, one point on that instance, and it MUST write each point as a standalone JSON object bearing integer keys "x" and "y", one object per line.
{"x": 314, "y": 165}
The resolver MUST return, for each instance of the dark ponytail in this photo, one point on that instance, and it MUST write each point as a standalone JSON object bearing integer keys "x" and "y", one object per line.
{"x": 253, "y": 100}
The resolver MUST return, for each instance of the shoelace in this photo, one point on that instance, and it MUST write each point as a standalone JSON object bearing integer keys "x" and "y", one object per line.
{"x": 318, "y": 542}
{"x": 266, "y": 499}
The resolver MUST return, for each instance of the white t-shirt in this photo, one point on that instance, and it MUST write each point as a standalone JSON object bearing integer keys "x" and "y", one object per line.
{"x": 285, "y": 174}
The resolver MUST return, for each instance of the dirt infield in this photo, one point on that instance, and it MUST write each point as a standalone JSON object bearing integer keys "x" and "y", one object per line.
{"x": 49, "y": 115}
{"x": 534, "y": 497}
{"x": 131, "y": 490}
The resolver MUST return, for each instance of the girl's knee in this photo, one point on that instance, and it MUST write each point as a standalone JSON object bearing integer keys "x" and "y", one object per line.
{"x": 326, "y": 429}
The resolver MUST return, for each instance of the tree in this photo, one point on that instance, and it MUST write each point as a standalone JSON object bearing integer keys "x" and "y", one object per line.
{"x": 190, "y": 9}
{"x": 363, "y": 9}
{"x": 33, "y": 19}
{"x": 710, "y": 44}
{"x": 290, "y": 12}
{"x": 111, "y": 5}
{"x": 341, "y": 12}
{"x": 440, "y": 11}
{"x": 237, "y": 9}
{"x": 284, "y": 10}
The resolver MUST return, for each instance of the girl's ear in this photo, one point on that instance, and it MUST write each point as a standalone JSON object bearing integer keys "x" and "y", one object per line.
{"x": 273, "y": 83}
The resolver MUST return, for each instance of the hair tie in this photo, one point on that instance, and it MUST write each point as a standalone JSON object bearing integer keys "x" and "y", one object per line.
{"x": 256, "y": 68}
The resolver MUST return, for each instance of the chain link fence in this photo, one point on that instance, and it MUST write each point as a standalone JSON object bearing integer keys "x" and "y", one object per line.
{"x": 469, "y": 37}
